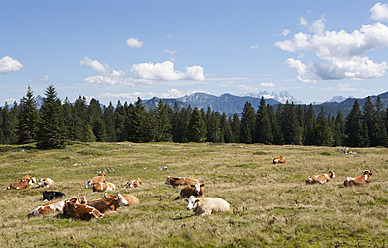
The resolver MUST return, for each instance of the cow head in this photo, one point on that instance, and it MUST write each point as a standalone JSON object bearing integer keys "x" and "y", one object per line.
{"x": 89, "y": 185}
{"x": 331, "y": 174}
{"x": 367, "y": 172}
{"x": 197, "y": 187}
{"x": 168, "y": 180}
{"x": 123, "y": 201}
{"x": 192, "y": 203}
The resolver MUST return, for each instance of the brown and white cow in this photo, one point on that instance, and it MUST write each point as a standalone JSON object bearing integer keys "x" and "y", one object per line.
{"x": 80, "y": 211}
{"x": 322, "y": 178}
{"x": 133, "y": 183}
{"x": 132, "y": 200}
{"x": 358, "y": 180}
{"x": 279, "y": 160}
{"x": 203, "y": 206}
{"x": 192, "y": 190}
{"x": 45, "y": 182}
{"x": 111, "y": 203}
{"x": 53, "y": 207}
{"x": 19, "y": 185}
{"x": 100, "y": 187}
{"x": 32, "y": 179}
{"x": 177, "y": 181}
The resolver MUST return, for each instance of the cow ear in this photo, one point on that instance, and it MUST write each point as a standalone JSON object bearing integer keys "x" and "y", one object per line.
{"x": 193, "y": 186}
{"x": 186, "y": 199}
{"x": 196, "y": 200}
{"x": 202, "y": 185}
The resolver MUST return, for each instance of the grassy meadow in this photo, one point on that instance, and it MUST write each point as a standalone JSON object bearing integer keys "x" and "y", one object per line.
{"x": 271, "y": 204}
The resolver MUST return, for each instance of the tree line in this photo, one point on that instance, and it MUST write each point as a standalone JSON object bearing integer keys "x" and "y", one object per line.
{"x": 57, "y": 123}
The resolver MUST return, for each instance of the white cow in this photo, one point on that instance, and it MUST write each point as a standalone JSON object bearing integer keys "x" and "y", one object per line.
{"x": 203, "y": 206}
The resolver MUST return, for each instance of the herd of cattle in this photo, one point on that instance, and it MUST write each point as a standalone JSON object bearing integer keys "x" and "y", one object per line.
{"x": 80, "y": 208}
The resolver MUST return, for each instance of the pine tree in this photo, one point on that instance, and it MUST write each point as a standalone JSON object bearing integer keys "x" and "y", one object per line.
{"x": 120, "y": 117}
{"x": 9, "y": 124}
{"x": 324, "y": 134}
{"x": 214, "y": 133}
{"x": 278, "y": 138}
{"x": 263, "y": 133}
{"x": 310, "y": 127}
{"x": 138, "y": 126}
{"x": 289, "y": 125}
{"x": 247, "y": 127}
{"x": 83, "y": 130}
{"x": 51, "y": 132}
{"x": 353, "y": 127}
{"x": 96, "y": 120}
{"x": 339, "y": 129}
{"x": 109, "y": 117}
{"x": 196, "y": 129}
{"x": 369, "y": 123}
{"x": 163, "y": 122}
{"x": 235, "y": 125}
{"x": 27, "y": 119}
{"x": 381, "y": 132}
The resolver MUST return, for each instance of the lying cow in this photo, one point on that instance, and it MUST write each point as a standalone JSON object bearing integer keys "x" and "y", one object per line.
{"x": 132, "y": 200}
{"x": 358, "y": 180}
{"x": 111, "y": 203}
{"x": 192, "y": 190}
{"x": 80, "y": 211}
{"x": 203, "y": 206}
{"x": 52, "y": 208}
{"x": 176, "y": 181}
{"x": 133, "y": 183}
{"x": 99, "y": 179}
{"x": 279, "y": 160}
{"x": 32, "y": 179}
{"x": 19, "y": 185}
{"x": 50, "y": 195}
{"x": 100, "y": 187}
{"x": 322, "y": 178}
{"x": 45, "y": 182}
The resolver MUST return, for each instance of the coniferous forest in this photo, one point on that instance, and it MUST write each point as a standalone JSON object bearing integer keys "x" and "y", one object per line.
{"x": 57, "y": 123}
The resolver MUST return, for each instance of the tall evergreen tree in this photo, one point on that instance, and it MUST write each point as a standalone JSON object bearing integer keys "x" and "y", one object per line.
{"x": 324, "y": 134}
{"x": 163, "y": 122}
{"x": 310, "y": 127}
{"x": 247, "y": 127}
{"x": 235, "y": 125}
{"x": 353, "y": 127}
{"x": 369, "y": 123}
{"x": 278, "y": 138}
{"x": 120, "y": 118}
{"x": 96, "y": 120}
{"x": 51, "y": 132}
{"x": 339, "y": 129}
{"x": 214, "y": 133}
{"x": 290, "y": 126}
{"x": 83, "y": 131}
{"x": 109, "y": 117}
{"x": 263, "y": 129}
{"x": 137, "y": 125}
{"x": 196, "y": 129}
{"x": 27, "y": 118}
{"x": 227, "y": 131}
{"x": 381, "y": 132}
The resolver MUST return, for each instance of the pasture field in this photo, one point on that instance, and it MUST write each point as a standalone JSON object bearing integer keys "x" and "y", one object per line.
{"x": 271, "y": 205}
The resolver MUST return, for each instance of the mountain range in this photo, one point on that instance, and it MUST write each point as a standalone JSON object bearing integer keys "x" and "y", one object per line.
{"x": 231, "y": 104}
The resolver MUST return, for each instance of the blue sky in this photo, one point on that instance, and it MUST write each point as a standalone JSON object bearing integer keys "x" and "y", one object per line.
{"x": 121, "y": 50}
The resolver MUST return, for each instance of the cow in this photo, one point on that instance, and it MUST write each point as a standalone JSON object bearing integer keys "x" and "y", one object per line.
{"x": 45, "y": 182}
{"x": 279, "y": 160}
{"x": 203, "y": 206}
{"x": 176, "y": 181}
{"x": 100, "y": 187}
{"x": 133, "y": 183}
{"x": 192, "y": 190}
{"x": 358, "y": 180}
{"x": 50, "y": 195}
{"x": 80, "y": 211}
{"x": 132, "y": 200}
{"x": 32, "y": 179}
{"x": 19, "y": 185}
{"x": 53, "y": 207}
{"x": 99, "y": 179}
{"x": 111, "y": 203}
{"x": 322, "y": 178}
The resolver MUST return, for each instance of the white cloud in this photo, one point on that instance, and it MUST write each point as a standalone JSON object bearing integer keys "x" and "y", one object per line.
{"x": 140, "y": 73}
{"x": 8, "y": 64}
{"x": 268, "y": 85}
{"x": 44, "y": 79}
{"x": 343, "y": 53}
{"x": 254, "y": 46}
{"x": 379, "y": 12}
{"x": 302, "y": 22}
{"x": 285, "y": 32}
{"x": 248, "y": 88}
{"x": 134, "y": 43}
{"x": 166, "y": 71}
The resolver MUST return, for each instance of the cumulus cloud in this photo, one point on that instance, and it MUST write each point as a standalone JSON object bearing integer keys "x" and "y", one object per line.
{"x": 8, "y": 64}
{"x": 134, "y": 43}
{"x": 166, "y": 71}
{"x": 140, "y": 73}
{"x": 267, "y": 85}
{"x": 379, "y": 12}
{"x": 341, "y": 54}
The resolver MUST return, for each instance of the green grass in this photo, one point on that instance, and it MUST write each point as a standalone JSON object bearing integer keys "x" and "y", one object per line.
{"x": 271, "y": 205}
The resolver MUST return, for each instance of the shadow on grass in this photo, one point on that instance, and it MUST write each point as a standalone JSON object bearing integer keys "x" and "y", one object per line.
{"x": 182, "y": 217}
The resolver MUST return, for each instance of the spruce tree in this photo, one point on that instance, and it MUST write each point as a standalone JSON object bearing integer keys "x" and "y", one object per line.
{"x": 163, "y": 122}
{"x": 381, "y": 132}
{"x": 120, "y": 117}
{"x": 369, "y": 123}
{"x": 27, "y": 119}
{"x": 196, "y": 129}
{"x": 339, "y": 129}
{"x": 96, "y": 120}
{"x": 9, "y": 124}
{"x": 247, "y": 127}
{"x": 353, "y": 127}
{"x": 290, "y": 126}
{"x": 214, "y": 133}
{"x": 324, "y": 134}
{"x": 310, "y": 127}
{"x": 263, "y": 133}
{"x": 138, "y": 126}
{"x": 51, "y": 132}
{"x": 278, "y": 138}
{"x": 235, "y": 125}
{"x": 109, "y": 117}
